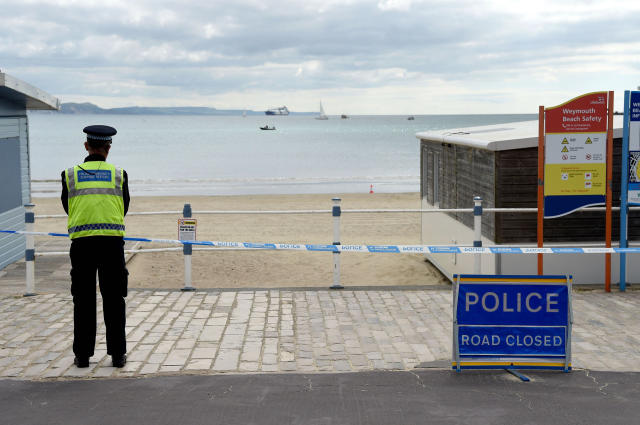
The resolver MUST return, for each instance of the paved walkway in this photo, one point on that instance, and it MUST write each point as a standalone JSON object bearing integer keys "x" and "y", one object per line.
{"x": 171, "y": 332}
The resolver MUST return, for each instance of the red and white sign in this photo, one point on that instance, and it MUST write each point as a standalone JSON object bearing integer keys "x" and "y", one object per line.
{"x": 584, "y": 114}
{"x": 575, "y": 159}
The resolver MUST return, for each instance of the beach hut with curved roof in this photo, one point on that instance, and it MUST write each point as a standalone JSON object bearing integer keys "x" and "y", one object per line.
{"x": 16, "y": 98}
{"x": 499, "y": 163}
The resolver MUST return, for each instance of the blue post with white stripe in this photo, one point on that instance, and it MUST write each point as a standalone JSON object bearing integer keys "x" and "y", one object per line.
{"x": 624, "y": 193}
{"x": 477, "y": 230}
{"x": 187, "y": 250}
{"x": 336, "y": 212}
{"x": 30, "y": 251}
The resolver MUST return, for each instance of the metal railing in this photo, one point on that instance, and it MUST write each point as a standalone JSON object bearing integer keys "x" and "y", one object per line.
{"x": 336, "y": 211}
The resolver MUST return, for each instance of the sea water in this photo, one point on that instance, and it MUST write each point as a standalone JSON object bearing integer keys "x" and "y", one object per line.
{"x": 230, "y": 155}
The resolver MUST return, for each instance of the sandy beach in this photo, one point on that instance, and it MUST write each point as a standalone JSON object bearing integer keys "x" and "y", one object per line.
{"x": 264, "y": 269}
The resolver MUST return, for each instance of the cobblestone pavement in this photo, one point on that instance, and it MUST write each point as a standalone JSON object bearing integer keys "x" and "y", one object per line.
{"x": 171, "y": 332}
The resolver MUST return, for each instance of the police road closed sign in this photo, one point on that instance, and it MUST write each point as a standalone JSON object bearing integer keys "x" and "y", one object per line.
{"x": 521, "y": 322}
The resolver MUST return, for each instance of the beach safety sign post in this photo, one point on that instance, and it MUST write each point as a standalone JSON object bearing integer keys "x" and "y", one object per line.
{"x": 187, "y": 235}
{"x": 575, "y": 154}
{"x": 630, "y": 179}
{"x": 575, "y": 147}
{"x": 512, "y": 322}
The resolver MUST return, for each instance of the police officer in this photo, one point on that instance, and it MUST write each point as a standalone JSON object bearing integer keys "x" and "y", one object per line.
{"x": 95, "y": 195}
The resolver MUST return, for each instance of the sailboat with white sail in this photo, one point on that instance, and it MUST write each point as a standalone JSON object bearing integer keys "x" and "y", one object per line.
{"x": 322, "y": 115}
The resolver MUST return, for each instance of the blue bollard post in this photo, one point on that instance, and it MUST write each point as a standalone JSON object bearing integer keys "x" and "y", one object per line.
{"x": 477, "y": 230}
{"x": 336, "y": 212}
{"x": 187, "y": 250}
{"x": 30, "y": 251}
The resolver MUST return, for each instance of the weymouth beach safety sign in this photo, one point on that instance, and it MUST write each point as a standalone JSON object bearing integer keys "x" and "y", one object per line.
{"x": 575, "y": 154}
{"x": 517, "y": 322}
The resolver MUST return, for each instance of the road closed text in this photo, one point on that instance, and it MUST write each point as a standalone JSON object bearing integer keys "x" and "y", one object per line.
{"x": 509, "y": 340}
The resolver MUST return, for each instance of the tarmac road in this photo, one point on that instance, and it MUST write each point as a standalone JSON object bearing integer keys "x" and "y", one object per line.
{"x": 420, "y": 396}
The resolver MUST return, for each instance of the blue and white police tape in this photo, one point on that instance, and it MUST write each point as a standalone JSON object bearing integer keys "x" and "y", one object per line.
{"x": 398, "y": 249}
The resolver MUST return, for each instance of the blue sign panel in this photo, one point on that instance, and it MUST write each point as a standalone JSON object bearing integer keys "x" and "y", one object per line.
{"x": 559, "y": 205}
{"x": 635, "y": 106}
{"x": 513, "y": 304}
{"x": 512, "y": 321}
{"x": 634, "y": 148}
{"x": 630, "y": 177}
{"x": 94, "y": 176}
{"x": 512, "y": 340}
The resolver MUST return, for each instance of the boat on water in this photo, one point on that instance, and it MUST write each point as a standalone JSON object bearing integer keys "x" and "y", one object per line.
{"x": 322, "y": 115}
{"x": 344, "y": 117}
{"x": 266, "y": 127}
{"x": 411, "y": 118}
{"x": 282, "y": 110}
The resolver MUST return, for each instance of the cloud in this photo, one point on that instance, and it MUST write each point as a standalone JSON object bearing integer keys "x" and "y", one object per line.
{"x": 148, "y": 51}
{"x": 403, "y": 5}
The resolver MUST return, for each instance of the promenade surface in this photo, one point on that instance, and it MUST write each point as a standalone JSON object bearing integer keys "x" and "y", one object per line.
{"x": 267, "y": 331}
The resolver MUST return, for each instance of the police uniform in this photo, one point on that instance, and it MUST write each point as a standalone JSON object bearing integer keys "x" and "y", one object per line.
{"x": 95, "y": 196}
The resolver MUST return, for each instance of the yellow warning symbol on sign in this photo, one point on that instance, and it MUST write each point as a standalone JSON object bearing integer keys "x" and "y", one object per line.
{"x": 588, "y": 142}
{"x": 565, "y": 141}
{"x": 564, "y": 149}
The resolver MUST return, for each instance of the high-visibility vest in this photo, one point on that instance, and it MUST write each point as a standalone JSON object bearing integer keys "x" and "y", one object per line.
{"x": 96, "y": 205}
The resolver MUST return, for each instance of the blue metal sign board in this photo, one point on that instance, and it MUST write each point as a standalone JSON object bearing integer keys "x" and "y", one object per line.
{"x": 630, "y": 178}
{"x": 633, "y": 147}
{"x": 519, "y": 322}
{"x": 635, "y": 106}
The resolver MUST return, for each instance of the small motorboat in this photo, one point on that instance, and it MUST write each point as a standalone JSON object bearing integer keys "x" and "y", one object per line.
{"x": 411, "y": 118}
{"x": 266, "y": 127}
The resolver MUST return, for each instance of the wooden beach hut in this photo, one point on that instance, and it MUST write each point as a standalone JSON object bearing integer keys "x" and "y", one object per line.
{"x": 16, "y": 98}
{"x": 499, "y": 164}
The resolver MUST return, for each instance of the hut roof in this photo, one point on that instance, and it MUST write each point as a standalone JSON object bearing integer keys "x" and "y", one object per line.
{"x": 26, "y": 95}
{"x": 498, "y": 137}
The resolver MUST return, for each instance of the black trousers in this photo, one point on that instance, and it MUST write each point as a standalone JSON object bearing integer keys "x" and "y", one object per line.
{"x": 104, "y": 255}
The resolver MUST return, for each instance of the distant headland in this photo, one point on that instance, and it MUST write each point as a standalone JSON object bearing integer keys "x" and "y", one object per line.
{"x": 90, "y": 108}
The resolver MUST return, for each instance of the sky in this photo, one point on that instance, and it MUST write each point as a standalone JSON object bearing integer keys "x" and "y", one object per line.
{"x": 356, "y": 56}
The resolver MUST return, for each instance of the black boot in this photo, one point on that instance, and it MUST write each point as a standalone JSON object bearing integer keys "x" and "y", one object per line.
{"x": 81, "y": 361}
{"x": 119, "y": 360}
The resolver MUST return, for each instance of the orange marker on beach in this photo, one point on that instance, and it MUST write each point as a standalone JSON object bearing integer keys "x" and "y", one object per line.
{"x": 370, "y": 188}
